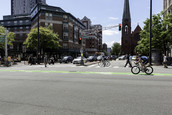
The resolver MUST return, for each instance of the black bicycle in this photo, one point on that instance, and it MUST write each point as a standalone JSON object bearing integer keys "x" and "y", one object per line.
{"x": 104, "y": 63}
{"x": 147, "y": 69}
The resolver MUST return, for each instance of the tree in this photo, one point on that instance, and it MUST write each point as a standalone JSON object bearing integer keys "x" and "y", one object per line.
{"x": 157, "y": 40}
{"x": 47, "y": 39}
{"x": 10, "y": 37}
{"x": 116, "y": 49}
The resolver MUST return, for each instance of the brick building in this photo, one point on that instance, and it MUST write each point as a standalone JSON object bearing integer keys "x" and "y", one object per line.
{"x": 129, "y": 39}
{"x": 93, "y": 37}
{"x": 20, "y": 25}
{"x": 65, "y": 24}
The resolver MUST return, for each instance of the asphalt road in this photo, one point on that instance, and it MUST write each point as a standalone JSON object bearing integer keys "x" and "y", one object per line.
{"x": 62, "y": 90}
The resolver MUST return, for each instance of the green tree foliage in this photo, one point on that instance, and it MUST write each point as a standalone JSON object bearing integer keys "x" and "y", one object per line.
{"x": 48, "y": 39}
{"x": 159, "y": 34}
{"x": 167, "y": 29}
{"x": 10, "y": 37}
{"x": 116, "y": 49}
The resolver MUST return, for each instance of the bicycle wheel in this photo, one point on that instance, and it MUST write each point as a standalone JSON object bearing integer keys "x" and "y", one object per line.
{"x": 149, "y": 70}
{"x": 100, "y": 63}
{"x": 107, "y": 63}
{"x": 135, "y": 70}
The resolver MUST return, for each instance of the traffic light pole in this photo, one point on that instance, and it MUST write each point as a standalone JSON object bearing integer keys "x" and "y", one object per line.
{"x": 82, "y": 61}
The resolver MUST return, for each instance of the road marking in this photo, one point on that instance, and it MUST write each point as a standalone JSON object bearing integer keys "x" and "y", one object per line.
{"x": 78, "y": 72}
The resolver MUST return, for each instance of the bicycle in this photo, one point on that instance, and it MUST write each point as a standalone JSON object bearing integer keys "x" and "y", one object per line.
{"x": 136, "y": 69}
{"x": 104, "y": 63}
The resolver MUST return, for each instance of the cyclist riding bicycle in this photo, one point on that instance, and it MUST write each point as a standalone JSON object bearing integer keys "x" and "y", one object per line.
{"x": 143, "y": 60}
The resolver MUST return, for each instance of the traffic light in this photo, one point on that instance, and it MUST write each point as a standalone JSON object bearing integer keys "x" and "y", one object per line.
{"x": 119, "y": 27}
{"x": 80, "y": 40}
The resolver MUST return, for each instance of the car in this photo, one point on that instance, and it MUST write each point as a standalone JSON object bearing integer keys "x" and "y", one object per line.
{"x": 113, "y": 57}
{"x": 78, "y": 60}
{"x": 67, "y": 59}
{"x": 92, "y": 58}
{"x": 99, "y": 58}
{"x": 123, "y": 57}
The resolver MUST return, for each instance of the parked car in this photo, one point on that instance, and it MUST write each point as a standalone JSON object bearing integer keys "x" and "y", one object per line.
{"x": 67, "y": 59}
{"x": 99, "y": 58}
{"x": 123, "y": 57}
{"x": 78, "y": 60}
{"x": 113, "y": 57}
{"x": 92, "y": 58}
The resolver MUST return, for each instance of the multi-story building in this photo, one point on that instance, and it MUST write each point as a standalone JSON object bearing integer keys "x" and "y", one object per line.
{"x": 93, "y": 36}
{"x": 23, "y": 6}
{"x": 20, "y": 25}
{"x": 167, "y": 7}
{"x": 65, "y": 24}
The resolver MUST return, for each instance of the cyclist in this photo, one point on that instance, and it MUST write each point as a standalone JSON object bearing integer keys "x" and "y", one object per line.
{"x": 143, "y": 60}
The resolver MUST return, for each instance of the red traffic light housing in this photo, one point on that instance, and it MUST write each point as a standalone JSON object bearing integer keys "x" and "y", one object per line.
{"x": 119, "y": 27}
{"x": 80, "y": 40}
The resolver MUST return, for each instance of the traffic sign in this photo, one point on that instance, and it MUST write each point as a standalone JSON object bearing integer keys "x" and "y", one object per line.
{"x": 2, "y": 38}
{"x": 85, "y": 37}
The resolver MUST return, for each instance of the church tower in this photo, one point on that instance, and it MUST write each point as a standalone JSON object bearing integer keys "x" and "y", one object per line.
{"x": 126, "y": 29}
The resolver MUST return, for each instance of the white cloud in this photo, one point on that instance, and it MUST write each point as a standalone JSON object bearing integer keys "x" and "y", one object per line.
{"x": 110, "y": 43}
{"x": 110, "y": 32}
{"x": 113, "y": 18}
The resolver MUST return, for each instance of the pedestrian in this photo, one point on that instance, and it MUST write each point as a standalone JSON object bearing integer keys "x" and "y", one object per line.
{"x": 128, "y": 61}
{"x": 165, "y": 61}
{"x": 45, "y": 60}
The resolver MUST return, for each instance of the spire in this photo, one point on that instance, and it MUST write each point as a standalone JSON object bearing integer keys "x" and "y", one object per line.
{"x": 126, "y": 13}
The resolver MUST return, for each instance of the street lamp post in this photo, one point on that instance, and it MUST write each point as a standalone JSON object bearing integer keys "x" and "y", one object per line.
{"x": 150, "y": 40}
{"x": 38, "y": 51}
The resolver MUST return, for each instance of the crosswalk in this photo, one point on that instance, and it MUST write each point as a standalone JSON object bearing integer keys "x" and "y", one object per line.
{"x": 71, "y": 66}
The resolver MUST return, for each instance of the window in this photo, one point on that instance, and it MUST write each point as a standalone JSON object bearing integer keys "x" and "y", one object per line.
{"x": 27, "y": 27}
{"x": 51, "y": 24}
{"x": 46, "y": 24}
{"x": 27, "y": 21}
{"x": 126, "y": 29}
{"x": 21, "y": 28}
{"x": 64, "y": 45}
{"x": 48, "y": 16}
{"x": 15, "y": 22}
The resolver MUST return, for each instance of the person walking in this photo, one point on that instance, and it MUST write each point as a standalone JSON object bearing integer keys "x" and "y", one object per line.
{"x": 45, "y": 60}
{"x": 128, "y": 61}
{"x": 165, "y": 61}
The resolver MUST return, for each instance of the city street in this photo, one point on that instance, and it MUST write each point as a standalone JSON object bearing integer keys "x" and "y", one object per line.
{"x": 67, "y": 89}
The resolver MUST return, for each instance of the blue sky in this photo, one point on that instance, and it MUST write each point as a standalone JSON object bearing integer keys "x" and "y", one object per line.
{"x": 104, "y": 12}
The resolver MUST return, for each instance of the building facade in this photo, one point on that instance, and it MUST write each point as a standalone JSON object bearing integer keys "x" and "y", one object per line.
{"x": 93, "y": 36}
{"x": 167, "y": 7}
{"x": 24, "y": 6}
{"x": 65, "y": 24}
{"x": 20, "y": 25}
{"x": 129, "y": 39}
